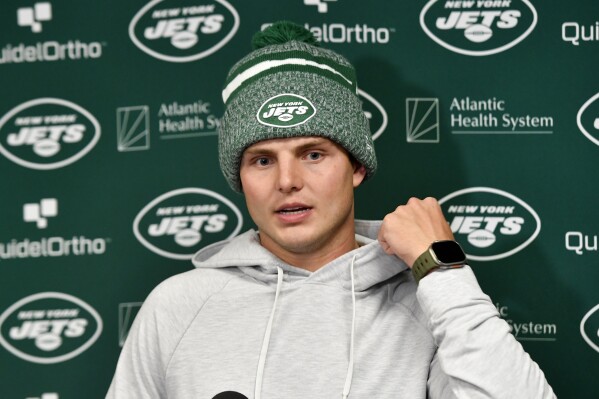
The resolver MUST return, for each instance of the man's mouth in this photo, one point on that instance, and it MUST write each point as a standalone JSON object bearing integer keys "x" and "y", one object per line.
{"x": 293, "y": 209}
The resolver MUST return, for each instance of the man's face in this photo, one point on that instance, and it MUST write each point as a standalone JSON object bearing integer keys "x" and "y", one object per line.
{"x": 299, "y": 192}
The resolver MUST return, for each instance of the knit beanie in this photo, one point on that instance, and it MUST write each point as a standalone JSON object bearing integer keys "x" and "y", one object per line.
{"x": 290, "y": 87}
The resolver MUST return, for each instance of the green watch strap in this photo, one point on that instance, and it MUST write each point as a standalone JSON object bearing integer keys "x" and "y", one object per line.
{"x": 442, "y": 254}
{"x": 423, "y": 265}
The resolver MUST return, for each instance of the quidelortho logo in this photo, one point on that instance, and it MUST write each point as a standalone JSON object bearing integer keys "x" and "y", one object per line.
{"x": 285, "y": 110}
{"x": 339, "y": 33}
{"x": 490, "y": 224}
{"x": 34, "y": 20}
{"x": 375, "y": 113}
{"x": 581, "y": 243}
{"x": 47, "y": 133}
{"x": 589, "y": 327}
{"x": 34, "y": 16}
{"x": 574, "y": 33}
{"x": 49, "y": 327}
{"x": 321, "y": 5}
{"x": 183, "y": 30}
{"x": 180, "y": 222}
{"x": 588, "y": 119}
{"x": 39, "y": 213}
{"x": 48, "y": 245}
{"x": 478, "y": 27}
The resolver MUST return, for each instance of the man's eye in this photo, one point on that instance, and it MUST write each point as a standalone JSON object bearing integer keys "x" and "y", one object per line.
{"x": 262, "y": 161}
{"x": 314, "y": 156}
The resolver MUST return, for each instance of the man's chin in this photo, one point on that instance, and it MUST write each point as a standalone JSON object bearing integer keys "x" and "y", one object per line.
{"x": 299, "y": 246}
{"x": 295, "y": 243}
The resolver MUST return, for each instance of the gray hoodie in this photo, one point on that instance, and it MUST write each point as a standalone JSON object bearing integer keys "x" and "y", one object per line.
{"x": 244, "y": 324}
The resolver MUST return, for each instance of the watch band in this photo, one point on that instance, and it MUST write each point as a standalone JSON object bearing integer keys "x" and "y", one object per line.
{"x": 423, "y": 265}
{"x": 438, "y": 256}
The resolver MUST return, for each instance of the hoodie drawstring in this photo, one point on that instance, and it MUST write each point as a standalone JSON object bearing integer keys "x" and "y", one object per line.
{"x": 350, "y": 367}
{"x": 265, "y": 342}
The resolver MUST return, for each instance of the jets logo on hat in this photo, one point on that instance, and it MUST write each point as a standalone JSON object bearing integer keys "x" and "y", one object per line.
{"x": 285, "y": 110}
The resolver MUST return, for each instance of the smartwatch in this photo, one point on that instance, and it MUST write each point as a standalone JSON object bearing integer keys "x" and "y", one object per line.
{"x": 445, "y": 254}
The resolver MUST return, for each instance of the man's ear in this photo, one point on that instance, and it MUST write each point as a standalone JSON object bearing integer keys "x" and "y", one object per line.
{"x": 359, "y": 174}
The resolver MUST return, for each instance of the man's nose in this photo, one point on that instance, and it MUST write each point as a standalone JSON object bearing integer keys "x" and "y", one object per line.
{"x": 290, "y": 176}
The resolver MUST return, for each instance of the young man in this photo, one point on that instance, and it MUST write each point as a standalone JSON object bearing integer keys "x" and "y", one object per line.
{"x": 316, "y": 304}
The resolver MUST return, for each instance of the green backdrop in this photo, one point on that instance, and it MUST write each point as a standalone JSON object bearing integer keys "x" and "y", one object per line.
{"x": 110, "y": 175}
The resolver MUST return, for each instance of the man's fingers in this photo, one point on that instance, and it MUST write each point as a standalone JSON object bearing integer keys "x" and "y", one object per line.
{"x": 411, "y": 228}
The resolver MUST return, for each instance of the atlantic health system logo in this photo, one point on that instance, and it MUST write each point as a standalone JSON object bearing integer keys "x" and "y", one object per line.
{"x": 127, "y": 313}
{"x": 183, "y": 30}
{"x": 422, "y": 120}
{"x": 478, "y": 27}
{"x": 133, "y": 128}
{"x": 180, "y": 222}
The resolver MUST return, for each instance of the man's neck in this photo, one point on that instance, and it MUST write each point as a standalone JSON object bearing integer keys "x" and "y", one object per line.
{"x": 313, "y": 259}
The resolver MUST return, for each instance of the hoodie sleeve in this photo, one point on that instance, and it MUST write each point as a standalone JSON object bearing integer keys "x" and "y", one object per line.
{"x": 477, "y": 356}
{"x": 156, "y": 332}
{"x": 142, "y": 363}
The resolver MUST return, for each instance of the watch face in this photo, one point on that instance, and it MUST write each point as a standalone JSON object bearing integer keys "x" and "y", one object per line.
{"x": 448, "y": 252}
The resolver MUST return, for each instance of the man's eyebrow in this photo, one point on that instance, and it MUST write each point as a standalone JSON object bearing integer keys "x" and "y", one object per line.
{"x": 257, "y": 150}
{"x": 312, "y": 143}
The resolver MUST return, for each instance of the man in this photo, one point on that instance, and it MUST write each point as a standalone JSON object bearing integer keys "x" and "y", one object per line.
{"x": 316, "y": 304}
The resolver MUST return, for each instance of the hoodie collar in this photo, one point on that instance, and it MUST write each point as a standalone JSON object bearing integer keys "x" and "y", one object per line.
{"x": 372, "y": 265}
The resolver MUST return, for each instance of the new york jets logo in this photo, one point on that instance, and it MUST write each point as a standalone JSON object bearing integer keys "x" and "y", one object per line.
{"x": 375, "y": 113}
{"x": 589, "y": 327}
{"x": 183, "y": 30}
{"x": 47, "y": 133}
{"x": 478, "y": 27}
{"x": 285, "y": 110}
{"x": 490, "y": 224}
{"x": 588, "y": 119}
{"x": 49, "y": 327}
{"x": 180, "y": 222}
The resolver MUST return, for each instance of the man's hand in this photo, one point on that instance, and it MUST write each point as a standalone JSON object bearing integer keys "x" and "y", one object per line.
{"x": 410, "y": 229}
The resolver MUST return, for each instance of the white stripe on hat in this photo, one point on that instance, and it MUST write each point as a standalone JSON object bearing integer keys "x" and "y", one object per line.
{"x": 266, "y": 65}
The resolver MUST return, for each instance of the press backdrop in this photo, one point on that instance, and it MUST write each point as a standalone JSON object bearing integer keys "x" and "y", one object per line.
{"x": 108, "y": 160}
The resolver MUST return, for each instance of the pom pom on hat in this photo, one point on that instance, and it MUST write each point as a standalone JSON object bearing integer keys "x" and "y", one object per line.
{"x": 283, "y": 32}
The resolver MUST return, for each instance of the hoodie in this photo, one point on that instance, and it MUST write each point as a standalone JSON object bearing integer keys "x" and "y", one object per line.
{"x": 244, "y": 324}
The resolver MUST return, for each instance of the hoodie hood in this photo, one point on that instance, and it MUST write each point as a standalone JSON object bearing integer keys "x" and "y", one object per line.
{"x": 371, "y": 264}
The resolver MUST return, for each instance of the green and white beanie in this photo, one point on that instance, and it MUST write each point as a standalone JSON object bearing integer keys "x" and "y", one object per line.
{"x": 290, "y": 87}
